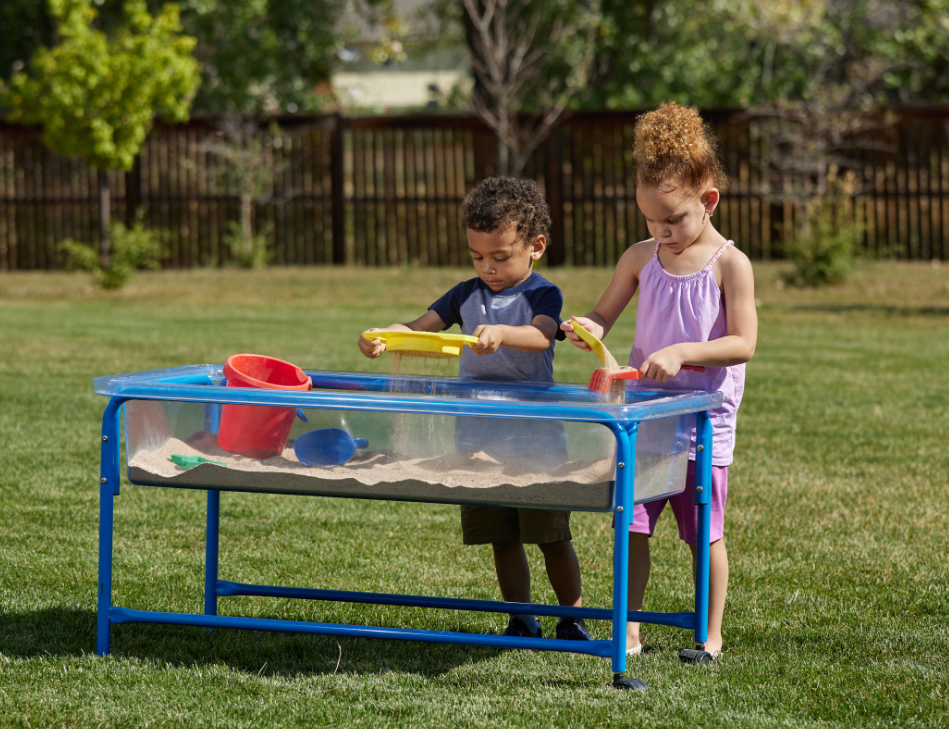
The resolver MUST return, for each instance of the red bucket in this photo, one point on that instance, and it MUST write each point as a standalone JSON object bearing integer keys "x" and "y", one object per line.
{"x": 258, "y": 431}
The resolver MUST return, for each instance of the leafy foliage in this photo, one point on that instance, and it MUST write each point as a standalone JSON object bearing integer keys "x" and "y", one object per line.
{"x": 132, "y": 248}
{"x": 823, "y": 247}
{"x": 248, "y": 249}
{"x": 255, "y": 55}
{"x": 97, "y": 96}
{"x": 740, "y": 52}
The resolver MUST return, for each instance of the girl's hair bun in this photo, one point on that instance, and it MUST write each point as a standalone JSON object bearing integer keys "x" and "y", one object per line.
{"x": 673, "y": 148}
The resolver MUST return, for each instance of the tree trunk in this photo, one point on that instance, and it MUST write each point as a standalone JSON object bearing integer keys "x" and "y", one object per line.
{"x": 105, "y": 213}
{"x": 247, "y": 229}
{"x": 504, "y": 158}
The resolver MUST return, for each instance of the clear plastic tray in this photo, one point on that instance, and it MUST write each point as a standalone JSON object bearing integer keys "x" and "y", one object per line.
{"x": 440, "y": 440}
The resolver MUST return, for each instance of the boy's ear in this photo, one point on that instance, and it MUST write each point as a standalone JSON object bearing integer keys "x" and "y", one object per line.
{"x": 538, "y": 246}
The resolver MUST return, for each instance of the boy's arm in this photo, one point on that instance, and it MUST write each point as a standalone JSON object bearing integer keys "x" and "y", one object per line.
{"x": 533, "y": 337}
{"x": 428, "y": 322}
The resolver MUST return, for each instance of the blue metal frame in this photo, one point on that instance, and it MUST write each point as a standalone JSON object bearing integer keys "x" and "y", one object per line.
{"x": 191, "y": 384}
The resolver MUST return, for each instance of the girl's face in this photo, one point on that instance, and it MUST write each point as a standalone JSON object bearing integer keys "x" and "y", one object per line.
{"x": 675, "y": 220}
{"x": 500, "y": 259}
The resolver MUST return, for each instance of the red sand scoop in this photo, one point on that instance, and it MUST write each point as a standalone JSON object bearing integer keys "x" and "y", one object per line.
{"x": 602, "y": 378}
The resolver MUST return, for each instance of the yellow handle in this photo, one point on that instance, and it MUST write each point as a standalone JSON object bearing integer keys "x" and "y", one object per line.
{"x": 592, "y": 342}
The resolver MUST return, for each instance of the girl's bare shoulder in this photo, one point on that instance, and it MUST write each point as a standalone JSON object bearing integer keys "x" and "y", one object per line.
{"x": 733, "y": 265}
{"x": 637, "y": 256}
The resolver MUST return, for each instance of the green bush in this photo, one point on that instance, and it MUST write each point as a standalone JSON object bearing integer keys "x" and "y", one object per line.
{"x": 248, "y": 251}
{"x": 823, "y": 251}
{"x": 130, "y": 248}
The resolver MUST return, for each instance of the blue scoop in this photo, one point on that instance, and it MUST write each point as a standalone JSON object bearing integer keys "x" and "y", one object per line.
{"x": 326, "y": 447}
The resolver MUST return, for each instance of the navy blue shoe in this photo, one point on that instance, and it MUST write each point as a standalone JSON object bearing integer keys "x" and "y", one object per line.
{"x": 572, "y": 629}
{"x": 517, "y": 627}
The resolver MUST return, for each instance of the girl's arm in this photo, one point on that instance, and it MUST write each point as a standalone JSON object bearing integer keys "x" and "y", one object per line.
{"x": 428, "y": 322}
{"x": 738, "y": 346}
{"x": 618, "y": 294}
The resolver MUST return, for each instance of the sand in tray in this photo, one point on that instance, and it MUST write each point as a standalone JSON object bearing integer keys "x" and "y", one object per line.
{"x": 468, "y": 477}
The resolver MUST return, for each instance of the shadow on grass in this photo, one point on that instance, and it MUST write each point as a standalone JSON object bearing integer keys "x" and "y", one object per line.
{"x": 881, "y": 309}
{"x": 60, "y": 632}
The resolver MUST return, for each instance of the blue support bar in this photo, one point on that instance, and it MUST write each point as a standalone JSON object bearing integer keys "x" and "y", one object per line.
{"x": 703, "y": 491}
{"x": 108, "y": 488}
{"x": 211, "y": 557}
{"x": 226, "y": 588}
{"x": 625, "y": 472}
{"x": 593, "y": 647}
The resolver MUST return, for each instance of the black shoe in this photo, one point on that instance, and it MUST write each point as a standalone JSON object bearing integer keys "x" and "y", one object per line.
{"x": 518, "y": 627}
{"x": 572, "y": 629}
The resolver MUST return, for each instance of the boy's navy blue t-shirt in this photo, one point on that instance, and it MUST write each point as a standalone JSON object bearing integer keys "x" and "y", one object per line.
{"x": 472, "y": 303}
{"x": 539, "y": 445}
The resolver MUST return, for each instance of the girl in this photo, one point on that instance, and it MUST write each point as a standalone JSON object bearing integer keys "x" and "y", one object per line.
{"x": 696, "y": 307}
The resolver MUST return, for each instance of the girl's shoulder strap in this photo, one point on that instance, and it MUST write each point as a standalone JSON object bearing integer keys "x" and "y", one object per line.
{"x": 718, "y": 254}
{"x": 655, "y": 250}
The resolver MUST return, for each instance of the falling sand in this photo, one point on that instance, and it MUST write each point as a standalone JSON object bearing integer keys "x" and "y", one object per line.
{"x": 617, "y": 391}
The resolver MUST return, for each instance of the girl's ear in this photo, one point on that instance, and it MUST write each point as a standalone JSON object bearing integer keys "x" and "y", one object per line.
{"x": 710, "y": 199}
{"x": 538, "y": 247}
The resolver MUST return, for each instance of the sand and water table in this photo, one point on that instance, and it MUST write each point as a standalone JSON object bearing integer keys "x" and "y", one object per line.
{"x": 406, "y": 438}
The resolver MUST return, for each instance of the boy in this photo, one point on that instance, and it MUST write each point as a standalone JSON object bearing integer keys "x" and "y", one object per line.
{"x": 516, "y": 316}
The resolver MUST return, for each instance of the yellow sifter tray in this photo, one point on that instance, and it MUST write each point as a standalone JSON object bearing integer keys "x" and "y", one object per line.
{"x": 433, "y": 343}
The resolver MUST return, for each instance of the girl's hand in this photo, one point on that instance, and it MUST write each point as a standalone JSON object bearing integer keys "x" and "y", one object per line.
{"x": 371, "y": 348}
{"x": 489, "y": 336}
{"x": 661, "y": 366}
{"x": 591, "y": 326}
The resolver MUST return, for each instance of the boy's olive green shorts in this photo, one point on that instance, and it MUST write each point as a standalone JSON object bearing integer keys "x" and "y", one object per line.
{"x": 496, "y": 524}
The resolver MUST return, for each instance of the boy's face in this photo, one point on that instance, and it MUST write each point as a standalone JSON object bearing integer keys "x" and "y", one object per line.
{"x": 501, "y": 260}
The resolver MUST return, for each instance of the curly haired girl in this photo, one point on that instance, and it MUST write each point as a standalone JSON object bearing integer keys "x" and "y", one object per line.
{"x": 696, "y": 307}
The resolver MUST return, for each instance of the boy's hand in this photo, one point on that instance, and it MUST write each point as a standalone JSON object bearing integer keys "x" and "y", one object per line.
{"x": 373, "y": 348}
{"x": 661, "y": 366}
{"x": 489, "y": 336}
{"x": 591, "y": 326}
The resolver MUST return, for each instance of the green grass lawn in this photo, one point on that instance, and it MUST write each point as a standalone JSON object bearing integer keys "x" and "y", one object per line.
{"x": 838, "y": 526}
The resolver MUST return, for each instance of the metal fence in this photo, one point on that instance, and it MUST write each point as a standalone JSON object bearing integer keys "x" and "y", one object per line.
{"x": 387, "y": 190}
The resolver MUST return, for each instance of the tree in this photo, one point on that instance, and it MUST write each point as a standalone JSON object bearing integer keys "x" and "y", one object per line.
{"x": 255, "y": 55}
{"x": 743, "y": 52}
{"x": 244, "y": 166}
{"x": 97, "y": 96}
{"x": 527, "y": 55}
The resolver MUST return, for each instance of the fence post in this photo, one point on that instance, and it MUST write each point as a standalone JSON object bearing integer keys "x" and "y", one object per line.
{"x": 336, "y": 190}
{"x": 553, "y": 181}
{"x": 133, "y": 190}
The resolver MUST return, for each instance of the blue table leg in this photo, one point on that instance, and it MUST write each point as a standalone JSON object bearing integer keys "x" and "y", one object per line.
{"x": 703, "y": 490}
{"x": 210, "y": 567}
{"x": 625, "y": 475}
{"x": 108, "y": 488}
